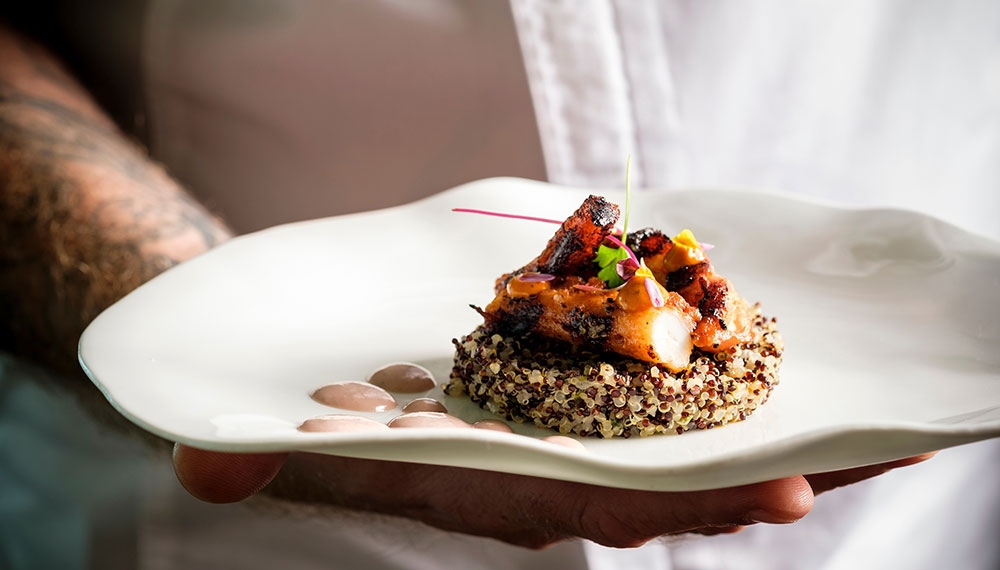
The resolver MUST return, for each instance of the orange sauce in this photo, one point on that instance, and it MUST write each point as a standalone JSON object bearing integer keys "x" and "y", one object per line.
{"x": 680, "y": 256}
{"x": 634, "y": 297}
{"x": 518, "y": 287}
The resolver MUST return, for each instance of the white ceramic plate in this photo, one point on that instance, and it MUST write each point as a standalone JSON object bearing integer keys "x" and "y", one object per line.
{"x": 891, "y": 321}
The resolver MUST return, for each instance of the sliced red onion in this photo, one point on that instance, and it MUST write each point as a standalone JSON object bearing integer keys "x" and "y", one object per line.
{"x": 653, "y": 290}
{"x": 706, "y": 246}
{"x": 626, "y": 268}
{"x": 589, "y": 288}
{"x": 535, "y": 277}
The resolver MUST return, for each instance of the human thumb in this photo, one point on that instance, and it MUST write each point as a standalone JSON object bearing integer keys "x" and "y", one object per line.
{"x": 218, "y": 477}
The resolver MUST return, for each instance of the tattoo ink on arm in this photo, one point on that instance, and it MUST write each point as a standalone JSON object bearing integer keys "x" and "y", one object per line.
{"x": 85, "y": 215}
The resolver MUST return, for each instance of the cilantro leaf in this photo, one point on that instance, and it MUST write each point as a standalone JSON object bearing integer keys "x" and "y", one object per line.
{"x": 608, "y": 258}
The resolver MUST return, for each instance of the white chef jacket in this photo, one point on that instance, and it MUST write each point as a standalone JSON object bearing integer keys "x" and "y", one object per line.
{"x": 273, "y": 111}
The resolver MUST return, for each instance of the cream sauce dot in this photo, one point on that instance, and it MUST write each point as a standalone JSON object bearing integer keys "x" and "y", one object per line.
{"x": 493, "y": 425}
{"x": 357, "y": 396}
{"x": 341, "y": 423}
{"x": 424, "y": 405}
{"x": 564, "y": 441}
{"x": 403, "y": 377}
{"x": 427, "y": 420}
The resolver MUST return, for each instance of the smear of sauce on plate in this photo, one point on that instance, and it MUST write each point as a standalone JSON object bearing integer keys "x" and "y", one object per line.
{"x": 403, "y": 377}
{"x": 493, "y": 425}
{"x": 341, "y": 423}
{"x": 424, "y": 405}
{"x": 427, "y": 420}
{"x": 356, "y": 396}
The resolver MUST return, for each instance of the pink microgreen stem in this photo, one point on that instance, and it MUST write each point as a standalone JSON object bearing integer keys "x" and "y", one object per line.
{"x": 498, "y": 214}
{"x": 589, "y": 288}
{"x": 653, "y": 290}
{"x": 619, "y": 243}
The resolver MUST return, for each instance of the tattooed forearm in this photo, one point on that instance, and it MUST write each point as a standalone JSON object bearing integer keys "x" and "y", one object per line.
{"x": 85, "y": 216}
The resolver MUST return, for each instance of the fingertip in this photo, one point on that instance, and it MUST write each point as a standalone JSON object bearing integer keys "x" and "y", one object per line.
{"x": 218, "y": 477}
{"x": 717, "y": 530}
{"x": 632, "y": 518}
{"x": 910, "y": 460}
{"x": 781, "y": 501}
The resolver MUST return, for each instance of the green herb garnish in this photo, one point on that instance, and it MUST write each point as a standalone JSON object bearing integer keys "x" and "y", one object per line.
{"x": 608, "y": 258}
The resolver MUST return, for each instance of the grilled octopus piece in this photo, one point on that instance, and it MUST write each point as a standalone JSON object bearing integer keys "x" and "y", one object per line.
{"x": 618, "y": 320}
{"x": 701, "y": 309}
{"x": 572, "y": 249}
{"x": 725, "y": 316}
{"x": 648, "y": 243}
{"x": 659, "y": 253}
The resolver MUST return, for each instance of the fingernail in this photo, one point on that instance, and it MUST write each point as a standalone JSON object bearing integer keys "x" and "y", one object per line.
{"x": 764, "y": 516}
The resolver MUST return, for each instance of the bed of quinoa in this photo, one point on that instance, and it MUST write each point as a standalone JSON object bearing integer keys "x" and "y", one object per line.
{"x": 573, "y": 390}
